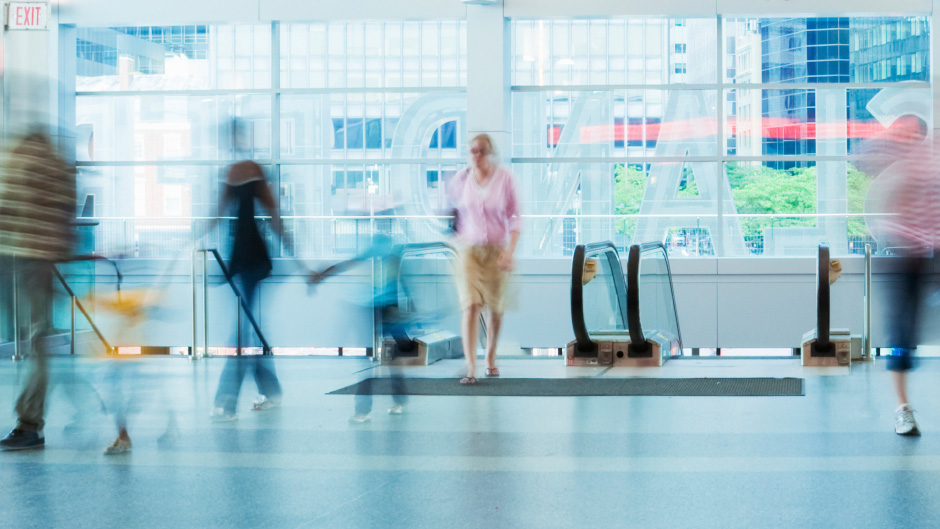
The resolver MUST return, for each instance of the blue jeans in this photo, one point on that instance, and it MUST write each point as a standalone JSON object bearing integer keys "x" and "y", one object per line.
{"x": 394, "y": 325}
{"x": 261, "y": 367}
{"x": 904, "y": 312}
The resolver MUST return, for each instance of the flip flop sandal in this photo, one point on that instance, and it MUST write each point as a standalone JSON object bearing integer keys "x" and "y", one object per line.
{"x": 468, "y": 380}
{"x": 492, "y": 371}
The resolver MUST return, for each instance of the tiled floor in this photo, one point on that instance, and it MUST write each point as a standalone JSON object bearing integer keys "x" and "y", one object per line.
{"x": 828, "y": 459}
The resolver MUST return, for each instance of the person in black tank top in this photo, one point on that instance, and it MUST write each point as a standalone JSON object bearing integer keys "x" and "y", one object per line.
{"x": 250, "y": 264}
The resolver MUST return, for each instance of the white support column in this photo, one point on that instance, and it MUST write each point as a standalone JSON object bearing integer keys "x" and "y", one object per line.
{"x": 488, "y": 75}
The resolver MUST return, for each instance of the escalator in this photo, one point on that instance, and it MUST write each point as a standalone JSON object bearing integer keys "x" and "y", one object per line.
{"x": 419, "y": 323}
{"x": 824, "y": 346}
{"x": 622, "y": 319}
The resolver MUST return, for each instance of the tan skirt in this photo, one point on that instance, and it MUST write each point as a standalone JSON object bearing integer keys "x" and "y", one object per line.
{"x": 480, "y": 281}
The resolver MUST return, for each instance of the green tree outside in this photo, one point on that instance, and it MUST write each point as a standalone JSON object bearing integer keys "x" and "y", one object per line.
{"x": 755, "y": 190}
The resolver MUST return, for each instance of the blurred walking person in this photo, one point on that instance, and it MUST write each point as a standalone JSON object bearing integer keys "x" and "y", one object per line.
{"x": 250, "y": 263}
{"x": 909, "y": 190}
{"x": 37, "y": 210}
{"x": 488, "y": 226}
{"x": 393, "y": 322}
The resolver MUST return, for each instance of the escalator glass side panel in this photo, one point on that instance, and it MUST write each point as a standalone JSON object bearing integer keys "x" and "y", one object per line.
{"x": 602, "y": 304}
{"x": 658, "y": 315}
{"x": 427, "y": 299}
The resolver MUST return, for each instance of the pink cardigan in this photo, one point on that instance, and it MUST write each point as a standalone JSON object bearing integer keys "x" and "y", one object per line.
{"x": 487, "y": 215}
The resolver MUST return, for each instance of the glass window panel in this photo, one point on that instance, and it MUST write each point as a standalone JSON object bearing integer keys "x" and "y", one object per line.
{"x": 169, "y": 127}
{"x": 149, "y": 192}
{"x": 566, "y": 124}
{"x": 576, "y": 52}
{"x": 197, "y": 57}
{"x": 824, "y": 50}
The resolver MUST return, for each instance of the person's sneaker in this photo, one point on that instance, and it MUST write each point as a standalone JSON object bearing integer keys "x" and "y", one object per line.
{"x": 264, "y": 403}
{"x": 22, "y": 440}
{"x": 220, "y": 415}
{"x": 904, "y": 423}
{"x": 397, "y": 409}
{"x": 170, "y": 437}
{"x": 360, "y": 418}
{"x": 119, "y": 446}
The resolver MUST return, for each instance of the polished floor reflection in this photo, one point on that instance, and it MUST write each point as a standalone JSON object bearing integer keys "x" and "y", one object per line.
{"x": 826, "y": 459}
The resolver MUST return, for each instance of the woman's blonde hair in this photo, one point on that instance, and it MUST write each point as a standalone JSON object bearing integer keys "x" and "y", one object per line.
{"x": 485, "y": 138}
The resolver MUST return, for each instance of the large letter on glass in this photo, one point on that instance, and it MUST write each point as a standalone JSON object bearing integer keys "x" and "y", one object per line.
{"x": 689, "y": 130}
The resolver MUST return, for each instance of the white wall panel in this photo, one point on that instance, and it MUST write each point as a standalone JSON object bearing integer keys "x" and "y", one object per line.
{"x": 291, "y": 10}
{"x": 99, "y": 13}
{"x": 697, "y": 304}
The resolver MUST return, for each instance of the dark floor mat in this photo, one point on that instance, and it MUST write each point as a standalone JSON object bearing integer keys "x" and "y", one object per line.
{"x": 584, "y": 387}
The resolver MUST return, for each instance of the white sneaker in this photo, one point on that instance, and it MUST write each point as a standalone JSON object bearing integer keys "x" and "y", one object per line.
{"x": 360, "y": 418}
{"x": 119, "y": 446}
{"x": 904, "y": 423}
{"x": 397, "y": 409}
{"x": 264, "y": 403}
{"x": 220, "y": 415}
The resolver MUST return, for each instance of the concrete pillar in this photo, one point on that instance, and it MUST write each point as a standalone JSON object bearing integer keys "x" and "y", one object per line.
{"x": 488, "y": 75}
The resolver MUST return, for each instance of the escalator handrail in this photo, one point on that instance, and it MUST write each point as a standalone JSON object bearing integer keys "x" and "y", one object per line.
{"x": 427, "y": 247}
{"x": 637, "y": 337}
{"x": 266, "y": 348}
{"x": 581, "y": 253}
{"x": 822, "y": 298}
{"x": 648, "y": 246}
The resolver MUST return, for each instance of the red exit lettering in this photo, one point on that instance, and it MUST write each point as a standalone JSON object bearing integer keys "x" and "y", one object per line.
{"x": 26, "y": 16}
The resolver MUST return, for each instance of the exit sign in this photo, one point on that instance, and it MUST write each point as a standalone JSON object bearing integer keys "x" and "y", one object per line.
{"x": 28, "y": 15}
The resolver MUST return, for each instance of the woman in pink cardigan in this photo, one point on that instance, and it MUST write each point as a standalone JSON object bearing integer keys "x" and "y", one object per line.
{"x": 484, "y": 196}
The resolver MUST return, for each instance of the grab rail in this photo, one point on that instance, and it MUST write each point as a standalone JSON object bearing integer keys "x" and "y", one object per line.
{"x": 266, "y": 348}
{"x": 74, "y": 302}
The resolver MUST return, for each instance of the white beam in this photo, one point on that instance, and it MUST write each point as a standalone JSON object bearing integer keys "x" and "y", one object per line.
{"x": 825, "y": 7}
{"x": 604, "y": 8}
{"x": 704, "y": 8}
{"x": 293, "y": 10}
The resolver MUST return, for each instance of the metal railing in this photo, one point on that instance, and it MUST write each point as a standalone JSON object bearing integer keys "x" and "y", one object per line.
{"x": 240, "y": 306}
{"x": 340, "y": 236}
{"x": 74, "y": 303}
